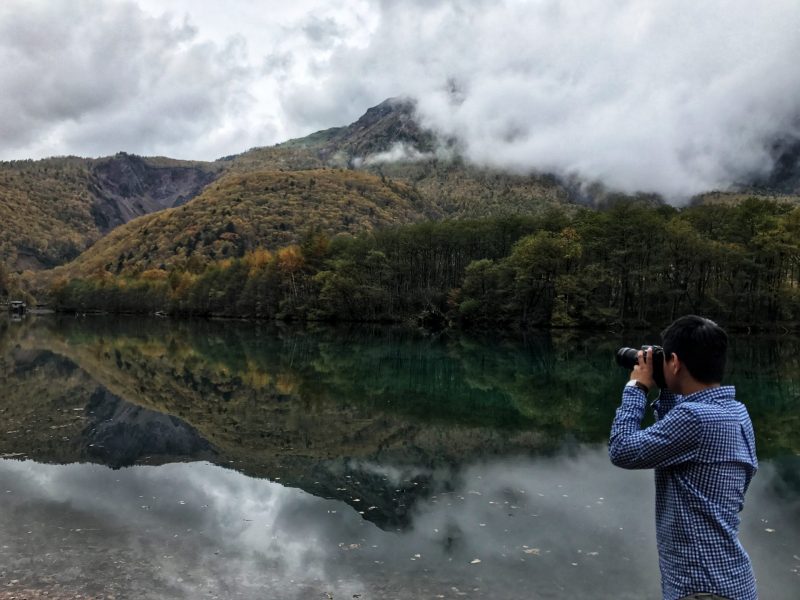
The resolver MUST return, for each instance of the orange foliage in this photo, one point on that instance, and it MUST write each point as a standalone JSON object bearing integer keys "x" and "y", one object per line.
{"x": 154, "y": 275}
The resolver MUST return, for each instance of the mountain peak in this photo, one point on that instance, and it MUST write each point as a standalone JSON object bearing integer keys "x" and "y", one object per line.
{"x": 380, "y": 129}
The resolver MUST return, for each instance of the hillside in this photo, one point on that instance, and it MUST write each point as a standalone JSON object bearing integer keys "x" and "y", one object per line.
{"x": 45, "y": 211}
{"x": 51, "y": 210}
{"x": 381, "y": 128}
{"x": 388, "y": 141}
{"x": 243, "y": 211}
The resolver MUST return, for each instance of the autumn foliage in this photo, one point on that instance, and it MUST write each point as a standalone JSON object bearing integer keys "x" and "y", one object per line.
{"x": 629, "y": 265}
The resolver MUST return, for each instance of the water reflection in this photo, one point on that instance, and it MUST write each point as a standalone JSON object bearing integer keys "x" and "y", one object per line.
{"x": 372, "y": 462}
{"x": 118, "y": 433}
{"x": 514, "y": 527}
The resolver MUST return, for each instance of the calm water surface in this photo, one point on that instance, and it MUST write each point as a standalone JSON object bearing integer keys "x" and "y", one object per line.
{"x": 162, "y": 459}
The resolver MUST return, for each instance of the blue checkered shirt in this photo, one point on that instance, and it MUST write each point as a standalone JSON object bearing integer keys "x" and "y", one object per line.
{"x": 702, "y": 448}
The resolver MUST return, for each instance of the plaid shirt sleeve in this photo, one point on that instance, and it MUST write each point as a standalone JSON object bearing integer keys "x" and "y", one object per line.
{"x": 673, "y": 439}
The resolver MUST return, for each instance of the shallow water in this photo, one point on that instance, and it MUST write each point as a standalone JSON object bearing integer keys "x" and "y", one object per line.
{"x": 155, "y": 459}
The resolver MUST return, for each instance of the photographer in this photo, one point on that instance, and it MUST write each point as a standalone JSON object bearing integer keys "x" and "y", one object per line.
{"x": 702, "y": 448}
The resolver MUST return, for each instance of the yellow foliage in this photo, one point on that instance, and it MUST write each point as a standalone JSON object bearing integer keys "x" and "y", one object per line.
{"x": 256, "y": 379}
{"x": 154, "y": 275}
{"x": 242, "y": 213}
{"x": 257, "y": 259}
{"x": 181, "y": 284}
{"x": 290, "y": 259}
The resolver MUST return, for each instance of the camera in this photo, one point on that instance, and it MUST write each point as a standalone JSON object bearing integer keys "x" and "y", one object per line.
{"x": 628, "y": 358}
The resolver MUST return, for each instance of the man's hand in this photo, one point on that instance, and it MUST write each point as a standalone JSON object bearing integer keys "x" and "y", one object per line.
{"x": 643, "y": 372}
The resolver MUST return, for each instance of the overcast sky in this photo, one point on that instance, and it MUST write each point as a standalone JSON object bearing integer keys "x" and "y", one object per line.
{"x": 677, "y": 96}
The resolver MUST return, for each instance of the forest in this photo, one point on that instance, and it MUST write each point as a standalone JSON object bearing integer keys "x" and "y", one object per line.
{"x": 631, "y": 265}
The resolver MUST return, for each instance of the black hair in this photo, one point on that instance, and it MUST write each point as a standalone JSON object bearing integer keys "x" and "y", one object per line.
{"x": 701, "y": 344}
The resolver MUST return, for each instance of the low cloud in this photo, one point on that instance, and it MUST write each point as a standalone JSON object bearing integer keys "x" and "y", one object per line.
{"x": 675, "y": 98}
{"x": 323, "y": 32}
{"x": 399, "y": 152}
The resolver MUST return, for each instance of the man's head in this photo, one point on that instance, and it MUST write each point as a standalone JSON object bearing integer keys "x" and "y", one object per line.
{"x": 700, "y": 345}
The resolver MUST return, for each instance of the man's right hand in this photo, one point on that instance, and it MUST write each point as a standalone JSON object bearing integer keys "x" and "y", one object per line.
{"x": 643, "y": 371}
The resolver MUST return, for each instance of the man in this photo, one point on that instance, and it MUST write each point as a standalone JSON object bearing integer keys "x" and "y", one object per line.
{"x": 702, "y": 448}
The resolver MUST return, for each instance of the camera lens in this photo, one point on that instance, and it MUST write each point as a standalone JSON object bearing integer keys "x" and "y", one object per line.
{"x": 627, "y": 357}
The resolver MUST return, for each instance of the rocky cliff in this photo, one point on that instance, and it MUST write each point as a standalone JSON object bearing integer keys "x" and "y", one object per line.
{"x": 125, "y": 186}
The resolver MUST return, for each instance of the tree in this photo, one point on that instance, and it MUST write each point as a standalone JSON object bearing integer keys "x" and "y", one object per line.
{"x": 5, "y": 280}
{"x": 537, "y": 261}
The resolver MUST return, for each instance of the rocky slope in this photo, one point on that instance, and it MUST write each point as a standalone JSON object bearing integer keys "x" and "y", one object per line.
{"x": 245, "y": 211}
{"x": 125, "y": 187}
{"x": 51, "y": 210}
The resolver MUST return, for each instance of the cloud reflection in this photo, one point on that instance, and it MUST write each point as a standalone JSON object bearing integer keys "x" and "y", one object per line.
{"x": 547, "y": 527}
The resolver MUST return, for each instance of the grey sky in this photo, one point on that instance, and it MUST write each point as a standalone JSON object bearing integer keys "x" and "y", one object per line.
{"x": 676, "y": 97}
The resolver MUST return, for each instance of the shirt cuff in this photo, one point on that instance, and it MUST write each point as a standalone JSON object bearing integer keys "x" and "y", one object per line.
{"x": 638, "y": 385}
{"x": 633, "y": 395}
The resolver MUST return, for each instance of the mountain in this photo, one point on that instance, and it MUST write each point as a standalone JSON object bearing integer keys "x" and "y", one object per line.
{"x": 380, "y": 129}
{"x": 388, "y": 141}
{"x": 53, "y": 209}
{"x": 244, "y": 211}
{"x": 784, "y": 178}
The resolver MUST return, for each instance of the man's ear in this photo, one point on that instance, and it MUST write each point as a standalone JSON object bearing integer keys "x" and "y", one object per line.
{"x": 674, "y": 364}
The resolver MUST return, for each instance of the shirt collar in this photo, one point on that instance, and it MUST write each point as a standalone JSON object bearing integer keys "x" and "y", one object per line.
{"x": 714, "y": 394}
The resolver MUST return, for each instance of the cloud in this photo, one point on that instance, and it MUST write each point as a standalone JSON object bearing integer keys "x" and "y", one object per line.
{"x": 676, "y": 97}
{"x": 672, "y": 97}
{"x": 95, "y": 77}
{"x": 322, "y": 32}
{"x": 570, "y": 523}
{"x": 399, "y": 152}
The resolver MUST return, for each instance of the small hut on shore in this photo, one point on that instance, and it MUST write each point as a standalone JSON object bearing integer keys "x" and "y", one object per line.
{"x": 17, "y": 307}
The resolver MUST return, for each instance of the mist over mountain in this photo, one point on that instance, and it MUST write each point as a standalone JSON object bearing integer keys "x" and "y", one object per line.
{"x": 56, "y": 208}
{"x": 673, "y": 98}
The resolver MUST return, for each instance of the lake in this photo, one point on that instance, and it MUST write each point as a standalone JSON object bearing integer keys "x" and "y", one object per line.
{"x": 154, "y": 458}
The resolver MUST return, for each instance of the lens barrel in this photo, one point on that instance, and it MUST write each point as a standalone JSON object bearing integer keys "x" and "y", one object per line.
{"x": 627, "y": 358}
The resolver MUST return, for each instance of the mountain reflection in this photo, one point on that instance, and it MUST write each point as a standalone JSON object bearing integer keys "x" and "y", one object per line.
{"x": 356, "y": 461}
{"x": 119, "y": 433}
{"x": 318, "y": 409}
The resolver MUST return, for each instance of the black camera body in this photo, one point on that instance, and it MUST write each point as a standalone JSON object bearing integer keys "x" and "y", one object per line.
{"x": 628, "y": 358}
